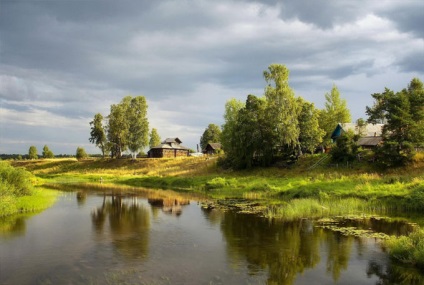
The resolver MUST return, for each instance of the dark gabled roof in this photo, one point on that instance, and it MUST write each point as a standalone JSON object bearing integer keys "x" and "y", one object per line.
{"x": 369, "y": 141}
{"x": 214, "y": 146}
{"x": 172, "y": 140}
{"x": 171, "y": 143}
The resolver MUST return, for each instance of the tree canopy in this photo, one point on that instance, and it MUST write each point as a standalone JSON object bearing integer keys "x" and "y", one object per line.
{"x": 403, "y": 115}
{"x": 154, "y": 138}
{"x": 32, "y": 152}
{"x": 47, "y": 153}
{"x": 264, "y": 128}
{"x": 212, "y": 134}
{"x": 127, "y": 127}
{"x": 334, "y": 112}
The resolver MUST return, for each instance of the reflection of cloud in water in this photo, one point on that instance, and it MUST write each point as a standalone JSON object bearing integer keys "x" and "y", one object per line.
{"x": 125, "y": 223}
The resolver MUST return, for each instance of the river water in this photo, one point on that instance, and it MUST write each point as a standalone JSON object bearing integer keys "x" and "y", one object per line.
{"x": 105, "y": 238}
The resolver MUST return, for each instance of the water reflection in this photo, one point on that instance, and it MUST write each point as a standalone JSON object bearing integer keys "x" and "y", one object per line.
{"x": 171, "y": 206}
{"x": 287, "y": 249}
{"x": 125, "y": 222}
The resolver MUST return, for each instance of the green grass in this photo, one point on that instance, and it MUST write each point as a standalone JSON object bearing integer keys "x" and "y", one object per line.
{"x": 39, "y": 199}
{"x": 407, "y": 249}
{"x": 18, "y": 194}
{"x": 362, "y": 186}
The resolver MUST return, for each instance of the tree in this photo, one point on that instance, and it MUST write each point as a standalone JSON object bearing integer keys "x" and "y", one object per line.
{"x": 346, "y": 148}
{"x": 403, "y": 114}
{"x": 32, "y": 152}
{"x": 128, "y": 126}
{"x": 47, "y": 153}
{"x": 282, "y": 108}
{"x": 98, "y": 133}
{"x": 212, "y": 134}
{"x": 229, "y": 142}
{"x": 335, "y": 112}
{"x": 138, "y": 126}
{"x": 310, "y": 136}
{"x": 81, "y": 154}
{"x": 154, "y": 138}
{"x": 118, "y": 127}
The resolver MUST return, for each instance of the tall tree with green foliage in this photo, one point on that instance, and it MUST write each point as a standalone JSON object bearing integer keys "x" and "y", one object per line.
{"x": 47, "y": 153}
{"x": 32, "y": 152}
{"x": 212, "y": 134}
{"x": 403, "y": 113}
{"x": 282, "y": 108}
{"x": 310, "y": 136}
{"x": 232, "y": 108}
{"x": 138, "y": 126}
{"x": 154, "y": 138}
{"x": 98, "y": 133}
{"x": 118, "y": 127}
{"x": 335, "y": 112}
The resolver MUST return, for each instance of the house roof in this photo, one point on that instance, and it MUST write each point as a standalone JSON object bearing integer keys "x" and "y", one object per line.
{"x": 172, "y": 140}
{"x": 370, "y": 130}
{"x": 215, "y": 145}
{"x": 369, "y": 141}
{"x": 171, "y": 143}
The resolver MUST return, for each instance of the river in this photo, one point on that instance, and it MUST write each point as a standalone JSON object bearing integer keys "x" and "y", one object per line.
{"x": 105, "y": 238}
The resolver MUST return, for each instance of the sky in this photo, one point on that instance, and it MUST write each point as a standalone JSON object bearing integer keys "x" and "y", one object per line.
{"x": 61, "y": 62}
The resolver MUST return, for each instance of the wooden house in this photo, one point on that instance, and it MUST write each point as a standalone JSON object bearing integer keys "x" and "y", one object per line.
{"x": 212, "y": 148}
{"x": 171, "y": 147}
{"x": 370, "y": 134}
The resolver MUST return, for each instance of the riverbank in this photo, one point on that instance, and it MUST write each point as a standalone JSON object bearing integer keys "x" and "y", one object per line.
{"x": 18, "y": 193}
{"x": 307, "y": 191}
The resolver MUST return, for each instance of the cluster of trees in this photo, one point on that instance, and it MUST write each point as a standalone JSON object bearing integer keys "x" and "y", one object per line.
{"x": 33, "y": 152}
{"x": 125, "y": 128}
{"x": 278, "y": 124}
{"x": 402, "y": 114}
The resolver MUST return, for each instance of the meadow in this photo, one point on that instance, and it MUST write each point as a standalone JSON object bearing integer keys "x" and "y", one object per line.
{"x": 361, "y": 186}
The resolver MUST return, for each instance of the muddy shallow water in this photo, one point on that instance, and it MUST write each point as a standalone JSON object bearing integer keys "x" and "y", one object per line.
{"x": 92, "y": 238}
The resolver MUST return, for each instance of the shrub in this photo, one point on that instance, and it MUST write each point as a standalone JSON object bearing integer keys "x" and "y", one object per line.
{"x": 14, "y": 181}
{"x": 81, "y": 154}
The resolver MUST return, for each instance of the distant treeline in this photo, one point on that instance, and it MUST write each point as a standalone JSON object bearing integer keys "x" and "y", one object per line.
{"x": 4, "y": 156}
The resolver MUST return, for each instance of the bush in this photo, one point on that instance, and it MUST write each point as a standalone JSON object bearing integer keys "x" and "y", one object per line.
{"x": 81, "y": 154}
{"x": 14, "y": 181}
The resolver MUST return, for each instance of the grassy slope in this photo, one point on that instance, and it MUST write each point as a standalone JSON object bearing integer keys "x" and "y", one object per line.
{"x": 404, "y": 186}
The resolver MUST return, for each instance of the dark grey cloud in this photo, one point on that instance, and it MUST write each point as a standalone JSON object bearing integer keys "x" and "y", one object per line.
{"x": 63, "y": 61}
{"x": 408, "y": 17}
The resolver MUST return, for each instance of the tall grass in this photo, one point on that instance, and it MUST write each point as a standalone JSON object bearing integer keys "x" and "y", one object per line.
{"x": 407, "y": 249}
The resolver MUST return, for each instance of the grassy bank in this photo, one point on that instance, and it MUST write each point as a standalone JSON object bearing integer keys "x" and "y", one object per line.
{"x": 407, "y": 249}
{"x": 296, "y": 191}
{"x": 18, "y": 194}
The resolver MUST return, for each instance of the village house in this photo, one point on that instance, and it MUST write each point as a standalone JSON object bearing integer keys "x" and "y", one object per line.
{"x": 171, "y": 147}
{"x": 212, "y": 148}
{"x": 370, "y": 134}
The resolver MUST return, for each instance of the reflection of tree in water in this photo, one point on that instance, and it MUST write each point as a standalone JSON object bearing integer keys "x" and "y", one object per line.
{"x": 168, "y": 205}
{"x": 15, "y": 225}
{"x": 339, "y": 248}
{"x": 128, "y": 222}
{"x": 285, "y": 248}
{"x": 81, "y": 198}
{"x": 390, "y": 273}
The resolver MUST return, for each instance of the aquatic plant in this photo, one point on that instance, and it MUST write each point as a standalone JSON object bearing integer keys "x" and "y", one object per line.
{"x": 407, "y": 249}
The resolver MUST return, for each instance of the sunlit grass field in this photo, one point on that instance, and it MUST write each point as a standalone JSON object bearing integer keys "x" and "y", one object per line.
{"x": 402, "y": 187}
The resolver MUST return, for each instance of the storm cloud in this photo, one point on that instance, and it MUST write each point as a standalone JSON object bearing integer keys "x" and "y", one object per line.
{"x": 61, "y": 62}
